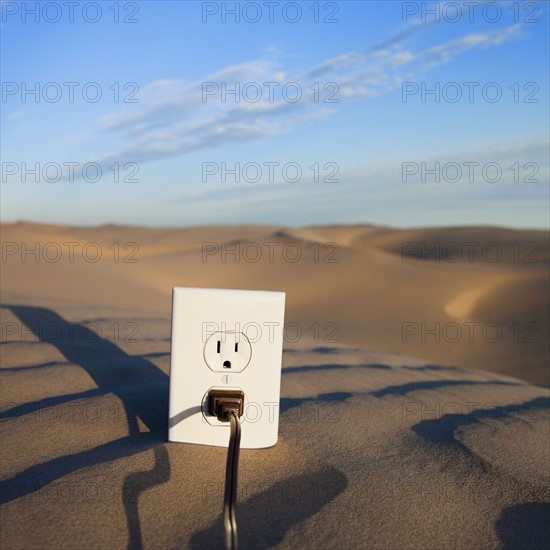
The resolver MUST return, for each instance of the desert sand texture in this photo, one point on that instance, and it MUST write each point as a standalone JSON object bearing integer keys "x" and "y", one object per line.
{"x": 390, "y": 436}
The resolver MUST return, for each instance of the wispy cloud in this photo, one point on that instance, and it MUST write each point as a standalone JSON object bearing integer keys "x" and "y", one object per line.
{"x": 175, "y": 117}
{"x": 15, "y": 115}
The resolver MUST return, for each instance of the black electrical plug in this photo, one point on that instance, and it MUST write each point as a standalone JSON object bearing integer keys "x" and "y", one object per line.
{"x": 221, "y": 402}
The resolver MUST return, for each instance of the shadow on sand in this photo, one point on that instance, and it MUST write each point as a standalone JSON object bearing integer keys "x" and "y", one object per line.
{"x": 139, "y": 384}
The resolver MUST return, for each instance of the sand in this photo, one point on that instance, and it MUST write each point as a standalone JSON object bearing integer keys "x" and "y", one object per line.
{"x": 385, "y": 441}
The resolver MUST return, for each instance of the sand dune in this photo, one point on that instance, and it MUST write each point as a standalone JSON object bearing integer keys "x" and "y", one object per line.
{"x": 372, "y": 288}
{"x": 385, "y": 441}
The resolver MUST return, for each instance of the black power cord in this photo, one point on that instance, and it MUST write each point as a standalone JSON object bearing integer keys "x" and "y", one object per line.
{"x": 228, "y": 406}
{"x": 231, "y": 481}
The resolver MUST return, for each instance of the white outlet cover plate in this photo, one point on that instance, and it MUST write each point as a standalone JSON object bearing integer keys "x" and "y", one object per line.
{"x": 201, "y": 316}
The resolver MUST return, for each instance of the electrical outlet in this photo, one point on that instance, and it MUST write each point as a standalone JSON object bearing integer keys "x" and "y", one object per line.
{"x": 228, "y": 340}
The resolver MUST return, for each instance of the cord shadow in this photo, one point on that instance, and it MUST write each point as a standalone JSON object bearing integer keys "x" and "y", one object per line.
{"x": 294, "y": 499}
{"x": 403, "y": 389}
{"x": 307, "y": 368}
{"x": 139, "y": 384}
{"x": 288, "y": 403}
{"x": 176, "y": 419}
{"x": 38, "y": 476}
{"x": 136, "y": 483}
{"x": 436, "y": 368}
{"x": 441, "y": 430}
{"x": 525, "y": 526}
{"x": 154, "y": 354}
{"x": 326, "y": 349}
{"x": 520, "y": 526}
{"x": 24, "y": 368}
{"x": 48, "y": 402}
{"x": 321, "y": 349}
{"x": 86, "y": 349}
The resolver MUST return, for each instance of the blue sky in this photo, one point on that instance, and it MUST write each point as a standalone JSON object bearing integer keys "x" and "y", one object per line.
{"x": 361, "y": 122}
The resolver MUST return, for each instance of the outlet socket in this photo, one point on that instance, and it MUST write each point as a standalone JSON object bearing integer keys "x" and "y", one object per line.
{"x": 231, "y": 340}
{"x": 227, "y": 352}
